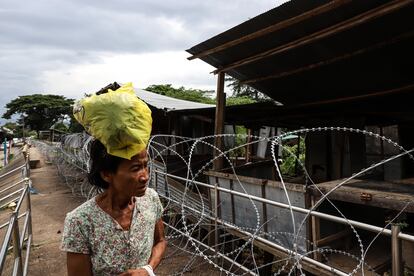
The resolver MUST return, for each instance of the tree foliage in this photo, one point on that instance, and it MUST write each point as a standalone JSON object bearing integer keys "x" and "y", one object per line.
{"x": 17, "y": 130}
{"x": 245, "y": 91}
{"x": 74, "y": 126}
{"x": 288, "y": 166}
{"x": 194, "y": 95}
{"x": 39, "y": 111}
{"x": 239, "y": 100}
{"x": 61, "y": 127}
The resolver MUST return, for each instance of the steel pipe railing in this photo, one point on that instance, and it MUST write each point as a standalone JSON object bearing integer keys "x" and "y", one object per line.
{"x": 396, "y": 235}
{"x": 20, "y": 240}
{"x": 357, "y": 224}
{"x": 12, "y": 171}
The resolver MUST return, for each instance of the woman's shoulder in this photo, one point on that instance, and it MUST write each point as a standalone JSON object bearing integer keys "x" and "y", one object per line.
{"x": 82, "y": 212}
{"x": 151, "y": 194}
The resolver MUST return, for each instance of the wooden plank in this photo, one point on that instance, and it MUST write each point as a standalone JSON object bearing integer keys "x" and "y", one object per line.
{"x": 219, "y": 120}
{"x": 258, "y": 181}
{"x": 248, "y": 145}
{"x": 264, "y": 208}
{"x": 316, "y": 231}
{"x": 179, "y": 186}
{"x": 334, "y": 237}
{"x": 273, "y": 28}
{"x": 233, "y": 209}
{"x": 308, "y": 205}
{"x": 368, "y": 94}
{"x": 332, "y": 30}
{"x": 202, "y": 118}
{"x": 382, "y": 199}
{"x": 282, "y": 255}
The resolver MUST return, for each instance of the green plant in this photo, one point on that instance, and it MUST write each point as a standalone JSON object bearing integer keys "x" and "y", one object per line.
{"x": 289, "y": 159}
{"x": 240, "y": 139}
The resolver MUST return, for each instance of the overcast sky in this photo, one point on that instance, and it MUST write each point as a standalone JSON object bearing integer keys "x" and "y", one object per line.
{"x": 75, "y": 46}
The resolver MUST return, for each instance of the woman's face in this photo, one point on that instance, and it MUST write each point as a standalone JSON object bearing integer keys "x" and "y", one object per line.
{"x": 132, "y": 176}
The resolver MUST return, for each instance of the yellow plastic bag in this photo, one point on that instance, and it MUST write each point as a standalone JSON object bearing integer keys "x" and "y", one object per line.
{"x": 118, "y": 119}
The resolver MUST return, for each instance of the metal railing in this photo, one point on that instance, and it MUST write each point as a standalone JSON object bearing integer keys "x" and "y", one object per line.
{"x": 15, "y": 240}
{"x": 396, "y": 235}
{"x": 174, "y": 195}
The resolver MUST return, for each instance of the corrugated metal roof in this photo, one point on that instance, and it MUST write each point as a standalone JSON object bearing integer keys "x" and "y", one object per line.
{"x": 6, "y": 131}
{"x": 385, "y": 109}
{"x": 167, "y": 103}
{"x": 353, "y": 48}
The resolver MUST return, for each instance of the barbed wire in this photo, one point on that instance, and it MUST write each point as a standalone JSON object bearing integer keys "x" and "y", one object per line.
{"x": 190, "y": 213}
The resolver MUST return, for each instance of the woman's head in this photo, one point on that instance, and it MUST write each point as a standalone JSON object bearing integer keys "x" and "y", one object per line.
{"x": 128, "y": 177}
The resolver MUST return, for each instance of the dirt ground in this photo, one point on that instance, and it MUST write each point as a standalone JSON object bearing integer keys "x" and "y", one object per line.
{"x": 49, "y": 208}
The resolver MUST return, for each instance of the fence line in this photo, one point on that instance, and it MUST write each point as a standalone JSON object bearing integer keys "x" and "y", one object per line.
{"x": 15, "y": 239}
{"x": 159, "y": 180}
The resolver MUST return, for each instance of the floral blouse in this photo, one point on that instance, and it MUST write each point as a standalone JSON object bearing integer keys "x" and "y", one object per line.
{"x": 90, "y": 230}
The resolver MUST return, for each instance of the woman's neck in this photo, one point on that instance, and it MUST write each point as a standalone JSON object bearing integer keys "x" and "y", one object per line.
{"x": 114, "y": 201}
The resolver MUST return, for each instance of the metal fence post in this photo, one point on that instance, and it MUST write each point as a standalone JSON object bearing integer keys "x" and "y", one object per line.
{"x": 156, "y": 181}
{"x": 396, "y": 251}
{"x": 29, "y": 209}
{"x": 17, "y": 253}
{"x": 216, "y": 234}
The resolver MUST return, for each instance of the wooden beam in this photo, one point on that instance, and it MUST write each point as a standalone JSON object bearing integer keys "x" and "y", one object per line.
{"x": 202, "y": 118}
{"x": 332, "y": 60}
{"x": 219, "y": 120}
{"x": 342, "y": 235}
{"x": 353, "y": 194}
{"x": 258, "y": 181}
{"x": 334, "y": 29}
{"x": 233, "y": 209}
{"x": 273, "y": 28}
{"x": 264, "y": 208}
{"x": 406, "y": 88}
{"x": 248, "y": 145}
{"x": 282, "y": 255}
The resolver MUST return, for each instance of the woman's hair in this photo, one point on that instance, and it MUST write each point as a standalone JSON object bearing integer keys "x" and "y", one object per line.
{"x": 101, "y": 161}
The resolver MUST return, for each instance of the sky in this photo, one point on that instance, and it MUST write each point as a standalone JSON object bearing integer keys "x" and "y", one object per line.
{"x": 72, "y": 47}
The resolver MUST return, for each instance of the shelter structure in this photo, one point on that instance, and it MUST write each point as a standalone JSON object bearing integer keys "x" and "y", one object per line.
{"x": 341, "y": 63}
{"x": 175, "y": 117}
{"x": 5, "y": 133}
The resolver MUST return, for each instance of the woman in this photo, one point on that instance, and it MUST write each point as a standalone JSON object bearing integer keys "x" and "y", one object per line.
{"x": 120, "y": 231}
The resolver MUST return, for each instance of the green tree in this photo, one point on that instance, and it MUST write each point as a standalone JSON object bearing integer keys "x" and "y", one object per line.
{"x": 239, "y": 100}
{"x": 194, "y": 95}
{"x": 39, "y": 111}
{"x": 289, "y": 157}
{"x": 74, "y": 126}
{"x": 243, "y": 90}
{"x": 61, "y": 127}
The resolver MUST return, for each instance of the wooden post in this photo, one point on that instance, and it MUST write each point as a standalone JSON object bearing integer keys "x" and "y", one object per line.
{"x": 248, "y": 146}
{"x": 214, "y": 202}
{"x": 233, "y": 209}
{"x": 264, "y": 206}
{"x": 382, "y": 152}
{"x": 316, "y": 233}
{"x": 219, "y": 120}
{"x": 297, "y": 156}
{"x": 169, "y": 137}
{"x": 216, "y": 212}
